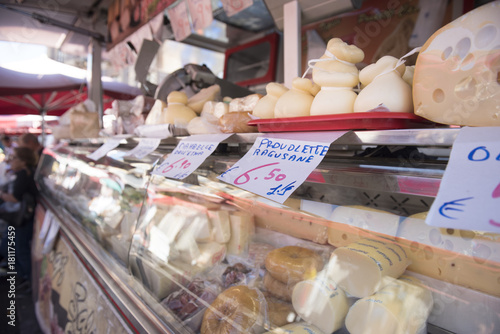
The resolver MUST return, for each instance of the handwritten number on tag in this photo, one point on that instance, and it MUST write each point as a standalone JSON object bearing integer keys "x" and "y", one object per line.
{"x": 178, "y": 164}
{"x": 246, "y": 175}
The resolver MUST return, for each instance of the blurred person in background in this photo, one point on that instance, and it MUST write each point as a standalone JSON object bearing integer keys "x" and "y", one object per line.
{"x": 23, "y": 163}
{"x": 31, "y": 141}
{"x": 8, "y": 145}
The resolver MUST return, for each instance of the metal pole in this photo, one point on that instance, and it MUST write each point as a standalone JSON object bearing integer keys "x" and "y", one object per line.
{"x": 94, "y": 83}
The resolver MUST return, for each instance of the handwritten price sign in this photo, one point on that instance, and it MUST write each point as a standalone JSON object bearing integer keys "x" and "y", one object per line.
{"x": 274, "y": 167}
{"x": 145, "y": 147}
{"x": 104, "y": 149}
{"x": 469, "y": 195}
{"x": 188, "y": 155}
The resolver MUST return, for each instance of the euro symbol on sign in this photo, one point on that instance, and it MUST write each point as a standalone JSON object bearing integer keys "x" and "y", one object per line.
{"x": 450, "y": 206}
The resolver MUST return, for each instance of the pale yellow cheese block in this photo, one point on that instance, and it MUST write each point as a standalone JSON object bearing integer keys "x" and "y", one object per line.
{"x": 365, "y": 217}
{"x": 242, "y": 229}
{"x": 221, "y": 228}
{"x": 456, "y": 79}
{"x": 401, "y": 307}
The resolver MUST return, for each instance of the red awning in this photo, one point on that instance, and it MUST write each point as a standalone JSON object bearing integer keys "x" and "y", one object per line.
{"x": 23, "y": 93}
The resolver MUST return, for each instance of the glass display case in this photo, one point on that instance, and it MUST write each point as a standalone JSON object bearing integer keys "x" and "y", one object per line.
{"x": 347, "y": 252}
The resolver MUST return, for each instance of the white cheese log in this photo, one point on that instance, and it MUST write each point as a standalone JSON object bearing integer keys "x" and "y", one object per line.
{"x": 401, "y": 307}
{"x": 242, "y": 228}
{"x": 366, "y": 266}
{"x": 321, "y": 303}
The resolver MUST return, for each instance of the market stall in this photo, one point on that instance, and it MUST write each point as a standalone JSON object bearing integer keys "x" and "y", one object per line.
{"x": 358, "y": 198}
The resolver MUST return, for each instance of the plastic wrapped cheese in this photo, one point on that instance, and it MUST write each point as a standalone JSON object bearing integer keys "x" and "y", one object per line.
{"x": 297, "y": 328}
{"x": 321, "y": 302}
{"x": 457, "y": 71}
{"x": 401, "y": 307}
{"x": 367, "y": 265}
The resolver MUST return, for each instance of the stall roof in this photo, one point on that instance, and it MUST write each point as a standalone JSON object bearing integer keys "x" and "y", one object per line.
{"x": 77, "y": 20}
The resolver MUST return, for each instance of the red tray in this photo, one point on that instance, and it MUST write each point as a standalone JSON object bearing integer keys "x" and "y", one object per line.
{"x": 376, "y": 120}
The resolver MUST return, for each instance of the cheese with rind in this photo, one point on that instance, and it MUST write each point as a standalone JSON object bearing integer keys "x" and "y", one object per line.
{"x": 456, "y": 79}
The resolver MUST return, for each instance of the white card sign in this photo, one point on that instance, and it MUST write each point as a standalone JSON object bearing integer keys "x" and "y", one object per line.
{"x": 104, "y": 149}
{"x": 188, "y": 155}
{"x": 180, "y": 21}
{"x": 145, "y": 147}
{"x": 201, "y": 13}
{"x": 469, "y": 194}
{"x": 233, "y": 7}
{"x": 277, "y": 165}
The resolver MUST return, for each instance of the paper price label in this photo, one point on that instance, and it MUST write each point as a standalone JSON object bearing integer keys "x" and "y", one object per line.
{"x": 145, "y": 147}
{"x": 104, "y": 149}
{"x": 180, "y": 21}
{"x": 275, "y": 167}
{"x": 201, "y": 13}
{"x": 469, "y": 194}
{"x": 188, "y": 155}
{"x": 233, "y": 7}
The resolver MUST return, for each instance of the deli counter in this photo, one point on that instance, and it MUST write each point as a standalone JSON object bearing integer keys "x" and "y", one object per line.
{"x": 119, "y": 249}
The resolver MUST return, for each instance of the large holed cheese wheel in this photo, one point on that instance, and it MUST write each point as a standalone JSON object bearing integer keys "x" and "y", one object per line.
{"x": 291, "y": 264}
{"x": 456, "y": 79}
{"x": 236, "y": 310}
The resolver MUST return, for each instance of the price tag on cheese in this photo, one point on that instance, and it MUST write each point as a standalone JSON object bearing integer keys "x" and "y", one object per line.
{"x": 145, "y": 147}
{"x": 104, "y": 149}
{"x": 277, "y": 164}
{"x": 188, "y": 155}
{"x": 201, "y": 13}
{"x": 469, "y": 194}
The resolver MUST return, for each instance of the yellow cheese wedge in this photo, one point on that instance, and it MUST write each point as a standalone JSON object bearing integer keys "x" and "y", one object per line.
{"x": 456, "y": 79}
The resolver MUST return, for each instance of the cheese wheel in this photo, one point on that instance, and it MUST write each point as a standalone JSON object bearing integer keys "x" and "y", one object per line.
{"x": 291, "y": 264}
{"x": 366, "y": 266}
{"x": 277, "y": 288}
{"x": 321, "y": 303}
{"x": 236, "y": 310}
{"x": 457, "y": 71}
{"x": 399, "y": 308}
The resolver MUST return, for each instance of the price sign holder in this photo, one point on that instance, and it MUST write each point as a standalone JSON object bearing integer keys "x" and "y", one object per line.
{"x": 145, "y": 147}
{"x": 277, "y": 164}
{"x": 188, "y": 155}
{"x": 469, "y": 194}
{"x": 105, "y": 148}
